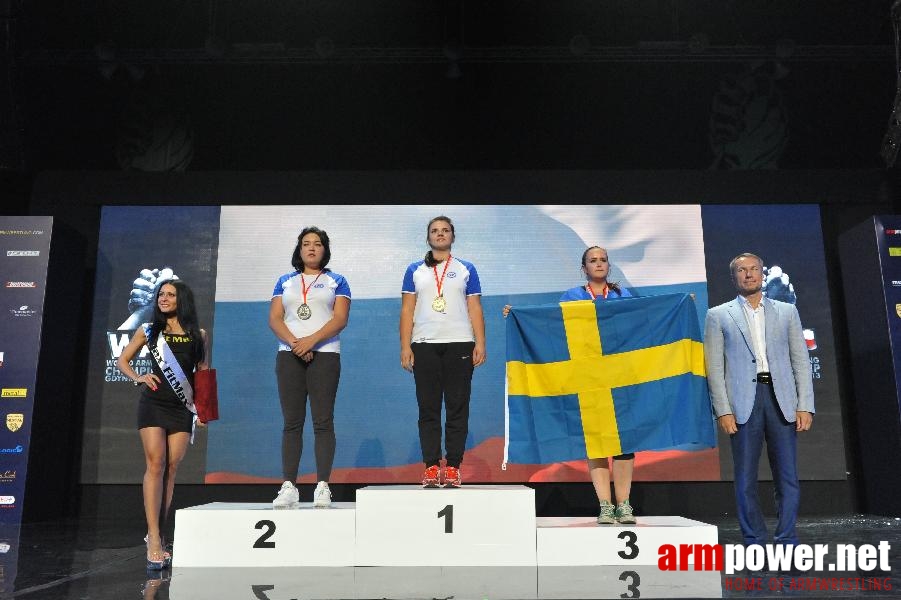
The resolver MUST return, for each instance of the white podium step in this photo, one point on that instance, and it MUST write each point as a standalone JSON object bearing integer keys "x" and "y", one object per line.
{"x": 407, "y": 526}
{"x": 223, "y": 534}
{"x": 347, "y": 583}
{"x": 484, "y": 525}
{"x": 639, "y": 581}
{"x": 580, "y": 541}
{"x": 269, "y": 583}
{"x": 496, "y": 583}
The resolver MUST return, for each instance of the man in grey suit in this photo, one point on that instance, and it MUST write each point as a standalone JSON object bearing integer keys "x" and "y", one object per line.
{"x": 758, "y": 372}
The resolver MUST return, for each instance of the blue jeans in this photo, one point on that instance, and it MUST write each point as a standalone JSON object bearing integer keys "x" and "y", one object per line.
{"x": 766, "y": 423}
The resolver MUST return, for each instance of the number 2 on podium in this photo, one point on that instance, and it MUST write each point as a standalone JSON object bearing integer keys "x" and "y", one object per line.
{"x": 448, "y": 513}
{"x": 262, "y": 542}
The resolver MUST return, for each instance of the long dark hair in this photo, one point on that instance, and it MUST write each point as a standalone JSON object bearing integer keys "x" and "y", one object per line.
{"x": 610, "y": 284}
{"x": 185, "y": 311}
{"x": 429, "y": 258}
{"x": 297, "y": 261}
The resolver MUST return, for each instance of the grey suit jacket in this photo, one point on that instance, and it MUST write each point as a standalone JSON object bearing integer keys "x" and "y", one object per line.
{"x": 731, "y": 366}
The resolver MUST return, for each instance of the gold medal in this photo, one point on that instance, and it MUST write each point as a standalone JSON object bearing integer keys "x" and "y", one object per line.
{"x": 304, "y": 312}
{"x": 439, "y": 304}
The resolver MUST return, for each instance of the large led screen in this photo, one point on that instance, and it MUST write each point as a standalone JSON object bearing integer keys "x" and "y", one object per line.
{"x": 233, "y": 255}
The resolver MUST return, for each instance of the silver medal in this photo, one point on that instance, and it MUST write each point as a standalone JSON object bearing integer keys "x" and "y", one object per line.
{"x": 303, "y": 311}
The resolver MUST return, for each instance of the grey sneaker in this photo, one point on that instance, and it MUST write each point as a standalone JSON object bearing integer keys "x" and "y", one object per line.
{"x": 608, "y": 514}
{"x": 287, "y": 496}
{"x": 322, "y": 497}
{"x": 624, "y": 514}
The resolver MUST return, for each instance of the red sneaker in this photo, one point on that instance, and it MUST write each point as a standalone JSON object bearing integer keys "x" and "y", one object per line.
{"x": 430, "y": 479}
{"x": 452, "y": 477}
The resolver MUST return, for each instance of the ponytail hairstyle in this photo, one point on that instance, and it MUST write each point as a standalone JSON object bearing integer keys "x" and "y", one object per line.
{"x": 429, "y": 258}
{"x": 612, "y": 285}
{"x": 297, "y": 261}
{"x": 186, "y": 311}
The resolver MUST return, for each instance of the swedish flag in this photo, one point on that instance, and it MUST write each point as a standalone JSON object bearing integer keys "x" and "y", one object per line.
{"x": 588, "y": 379}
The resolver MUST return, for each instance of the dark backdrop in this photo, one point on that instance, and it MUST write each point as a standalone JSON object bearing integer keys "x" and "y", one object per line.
{"x": 223, "y": 102}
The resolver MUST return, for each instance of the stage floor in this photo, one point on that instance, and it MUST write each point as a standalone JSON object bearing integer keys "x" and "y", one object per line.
{"x": 103, "y": 559}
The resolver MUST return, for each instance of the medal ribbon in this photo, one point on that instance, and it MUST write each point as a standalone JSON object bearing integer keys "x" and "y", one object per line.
{"x": 593, "y": 295}
{"x": 303, "y": 285}
{"x": 443, "y": 273}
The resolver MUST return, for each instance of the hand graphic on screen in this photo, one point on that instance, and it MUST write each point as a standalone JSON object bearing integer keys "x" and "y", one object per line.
{"x": 776, "y": 285}
{"x": 143, "y": 293}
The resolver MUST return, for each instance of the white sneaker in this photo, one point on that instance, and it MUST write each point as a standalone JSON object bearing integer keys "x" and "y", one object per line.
{"x": 322, "y": 497}
{"x": 287, "y": 495}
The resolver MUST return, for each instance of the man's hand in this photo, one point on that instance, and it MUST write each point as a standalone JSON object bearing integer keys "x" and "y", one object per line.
{"x": 803, "y": 420}
{"x": 727, "y": 424}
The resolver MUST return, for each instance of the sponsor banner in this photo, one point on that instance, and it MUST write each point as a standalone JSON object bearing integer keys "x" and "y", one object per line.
{"x": 24, "y": 312}
{"x": 888, "y": 230}
{"x": 24, "y": 255}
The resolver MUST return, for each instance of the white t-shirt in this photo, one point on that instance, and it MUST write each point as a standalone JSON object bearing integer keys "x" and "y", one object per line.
{"x": 321, "y": 295}
{"x": 453, "y": 324}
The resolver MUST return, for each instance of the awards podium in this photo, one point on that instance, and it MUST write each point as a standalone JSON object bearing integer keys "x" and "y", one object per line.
{"x": 405, "y": 541}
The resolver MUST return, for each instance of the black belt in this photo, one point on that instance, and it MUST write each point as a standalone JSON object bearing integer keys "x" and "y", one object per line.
{"x": 764, "y": 378}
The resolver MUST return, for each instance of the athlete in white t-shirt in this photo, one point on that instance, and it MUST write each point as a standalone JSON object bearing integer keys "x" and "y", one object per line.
{"x": 442, "y": 339}
{"x": 309, "y": 308}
